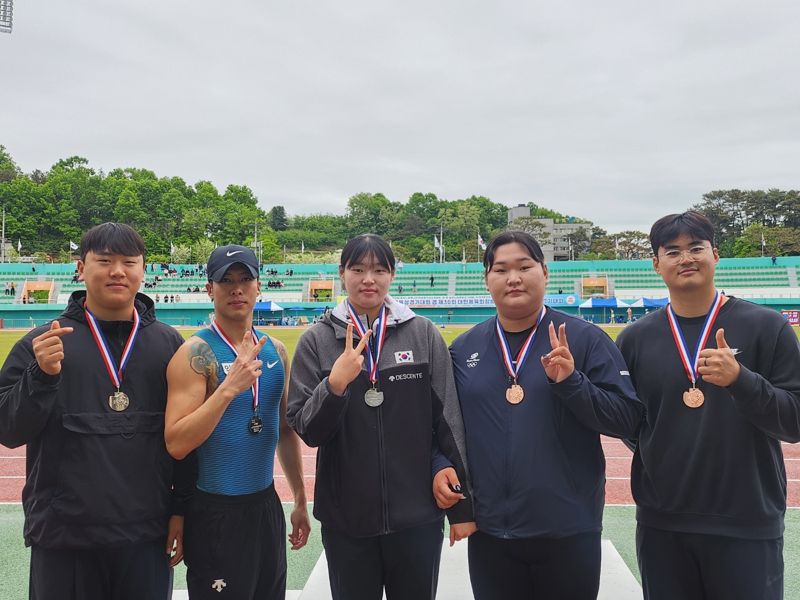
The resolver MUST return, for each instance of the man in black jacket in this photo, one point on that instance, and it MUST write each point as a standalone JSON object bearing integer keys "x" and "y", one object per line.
{"x": 87, "y": 395}
{"x": 720, "y": 381}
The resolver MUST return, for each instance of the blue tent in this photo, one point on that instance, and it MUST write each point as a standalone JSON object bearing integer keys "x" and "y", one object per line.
{"x": 603, "y": 303}
{"x": 269, "y": 305}
{"x": 650, "y": 302}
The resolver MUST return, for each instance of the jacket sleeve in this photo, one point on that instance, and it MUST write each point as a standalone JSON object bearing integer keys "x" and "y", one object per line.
{"x": 27, "y": 395}
{"x": 448, "y": 425}
{"x": 601, "y": 394}
{"x": 773, "y": 404}
{"x": 184, "y": 481}
{"x": 312, "y": 410}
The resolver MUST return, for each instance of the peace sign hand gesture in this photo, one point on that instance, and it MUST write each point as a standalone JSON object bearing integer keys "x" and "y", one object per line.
{"x": 348, "y": 365}
{"x": 559, "y": 363}
{"x": 247, "y": 367}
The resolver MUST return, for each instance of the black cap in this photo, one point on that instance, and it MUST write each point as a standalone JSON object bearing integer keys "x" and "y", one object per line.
{"x": 224, "y": 257}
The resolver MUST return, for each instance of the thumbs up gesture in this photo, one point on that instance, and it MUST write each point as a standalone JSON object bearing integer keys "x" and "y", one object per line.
{"x": 719, "y": 365}
{"x": 48, "y": 349}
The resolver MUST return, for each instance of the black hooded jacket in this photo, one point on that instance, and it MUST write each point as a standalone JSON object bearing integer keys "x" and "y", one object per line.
{"x": 94, "y": 477}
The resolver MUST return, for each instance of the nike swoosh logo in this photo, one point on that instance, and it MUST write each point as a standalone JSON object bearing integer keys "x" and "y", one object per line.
{"x": 270, "y": 365}
{"x": 234, "y": 252}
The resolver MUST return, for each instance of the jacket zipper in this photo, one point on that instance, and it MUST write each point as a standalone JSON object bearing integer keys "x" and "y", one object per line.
{"x": 384, "y": 485}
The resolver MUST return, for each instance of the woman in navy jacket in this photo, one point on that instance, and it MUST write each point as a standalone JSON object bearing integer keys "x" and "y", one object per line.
{"x": 537, "y": 388}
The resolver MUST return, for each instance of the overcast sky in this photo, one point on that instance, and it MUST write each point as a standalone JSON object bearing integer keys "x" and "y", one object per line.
{"x": 619, "y": 112}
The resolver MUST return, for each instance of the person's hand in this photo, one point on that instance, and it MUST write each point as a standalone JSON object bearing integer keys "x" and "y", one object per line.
{"x": 461, "y": 531}
{"x": 175, "y": 540}
{"x": 301, "y": 527}
{"x": 719, "y": 365}
{"x": 447, "y": 488}
{"x": 48, "y": 349}
{"x": 247, "y": 367}
{"x": 348, "y": 365}
{"x": 558, "y": 363}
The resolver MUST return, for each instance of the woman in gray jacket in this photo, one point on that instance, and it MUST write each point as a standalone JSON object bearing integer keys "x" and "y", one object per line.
{"x": 385, "y": 417}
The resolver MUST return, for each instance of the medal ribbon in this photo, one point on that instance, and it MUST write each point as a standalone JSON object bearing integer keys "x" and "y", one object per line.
{"x": 691, "y": 362}
{"x": 114, "y": 372}
{"x": 375, "y": 343}
{"x": 224, "y": 337}
{"x": 522, "y": 355}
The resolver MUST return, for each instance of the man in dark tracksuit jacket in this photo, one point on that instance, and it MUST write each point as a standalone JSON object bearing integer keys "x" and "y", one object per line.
{"x": 99, "y": 488}
{"x": 537, "y": 468}
{"x": 708, "y": 478}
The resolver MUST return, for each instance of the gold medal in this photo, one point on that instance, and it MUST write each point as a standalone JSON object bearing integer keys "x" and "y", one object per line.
{"x": 694, "y": 397}
{"x": 515, "y": 394}
{"x": 119, "y": 401}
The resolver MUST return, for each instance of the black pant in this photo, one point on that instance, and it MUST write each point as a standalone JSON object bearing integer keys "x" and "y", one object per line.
{"x": 134, "y": 572}
{"x": 535, "y": 568}
{"x": 406, "y": 563}
{"x": 236, "y": 545}
{"x": 695, "y": 566}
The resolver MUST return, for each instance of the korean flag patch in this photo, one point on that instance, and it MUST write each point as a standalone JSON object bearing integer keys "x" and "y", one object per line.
{"x": 407, "y": 356}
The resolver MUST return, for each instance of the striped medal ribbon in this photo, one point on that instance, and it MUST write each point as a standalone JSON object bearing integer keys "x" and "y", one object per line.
{"x": 693, "y": 397}
{"x": 255, "y": 425}
{"x": 515, "y": 394}
{"x": 373, "y": 397}
{"x": 119, "y": 400}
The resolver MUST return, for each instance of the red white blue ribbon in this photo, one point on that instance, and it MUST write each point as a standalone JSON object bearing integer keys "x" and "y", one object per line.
{"x": 514, "y": 367}
{"x": 228, "y": 342}
{"x": 375, "y": 343}
{"x": 691, "y": 362}
{"x": 114, "y": 372}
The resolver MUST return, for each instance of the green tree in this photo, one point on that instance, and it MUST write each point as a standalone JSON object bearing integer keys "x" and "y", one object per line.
{"x": 277, "y": 218}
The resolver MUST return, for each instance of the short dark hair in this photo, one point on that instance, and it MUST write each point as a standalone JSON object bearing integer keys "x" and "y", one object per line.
{"x": 367, "y": 244}
{"x": 112, "y": 238}
{"x": 524, "y": 239}
{"x": 691, "y": 223}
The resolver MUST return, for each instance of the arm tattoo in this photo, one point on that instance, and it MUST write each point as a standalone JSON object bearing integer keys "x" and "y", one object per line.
{"x": 204, "y": 362}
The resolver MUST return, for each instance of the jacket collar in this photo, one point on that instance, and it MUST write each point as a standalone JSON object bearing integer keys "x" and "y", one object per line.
{"x": 339, "y": 317}
{"x": 144, "y": 306}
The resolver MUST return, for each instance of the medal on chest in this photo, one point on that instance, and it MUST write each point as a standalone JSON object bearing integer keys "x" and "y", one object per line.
{"x": 255, "y": 425}
{"x": 515, "y": 393}
{"x": 373, "y": 397}
{"x": 693, "y": 397}
{"x": 119, "y": 400}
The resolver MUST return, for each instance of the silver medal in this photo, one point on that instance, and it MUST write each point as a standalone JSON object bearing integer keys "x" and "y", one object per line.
{"x": 119, "y": 401}
{"x": 373, "y": 397}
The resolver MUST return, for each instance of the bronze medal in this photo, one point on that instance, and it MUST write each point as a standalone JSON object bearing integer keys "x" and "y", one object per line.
{"x": 693, "y": 397}
{"x": 118, "y": 401}
{"x": 515, "y": 394}
{"x": 373, "y": 397}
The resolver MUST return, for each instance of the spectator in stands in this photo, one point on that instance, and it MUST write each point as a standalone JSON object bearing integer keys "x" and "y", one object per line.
{"x": 177, "y": 298}
{"x": 534, "y": 406}
{"x": 774, "y": 260}
{"x": 188, "y": 289}
{"x": 158, "y": 298}
{"x": 414, "y": 286}
{"x": 13, "y": 289}
{"x": 400, "y": 289}
{"x": 381, "y": 527}
{"x": 432, "y": 280}
{"x": 103, "y": 498}
{"x": 720, "y": 383}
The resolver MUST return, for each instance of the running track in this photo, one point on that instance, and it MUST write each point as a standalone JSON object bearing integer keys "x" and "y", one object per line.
{"x": 618, "y": 466}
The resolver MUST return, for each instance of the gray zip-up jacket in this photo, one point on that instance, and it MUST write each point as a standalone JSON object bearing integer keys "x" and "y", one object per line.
{"x": 375, "y": 464}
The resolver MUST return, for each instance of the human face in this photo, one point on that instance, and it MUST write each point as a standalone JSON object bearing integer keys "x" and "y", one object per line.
{"x": 686, "y": 264}
{"x": 516, "y": 282}
{"x": 367, "y": 283}
{"x": 235, "y": 295}
{"x": 112, "y": 281}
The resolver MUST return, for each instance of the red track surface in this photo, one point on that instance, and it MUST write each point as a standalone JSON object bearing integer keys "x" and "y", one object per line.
{"x": 618, "y": 465}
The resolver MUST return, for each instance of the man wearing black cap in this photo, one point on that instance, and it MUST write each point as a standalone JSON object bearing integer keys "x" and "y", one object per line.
{"x": 227, "y": 399}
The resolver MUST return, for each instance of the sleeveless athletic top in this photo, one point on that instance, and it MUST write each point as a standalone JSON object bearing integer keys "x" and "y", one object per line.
{"x": 233, "y": 461}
